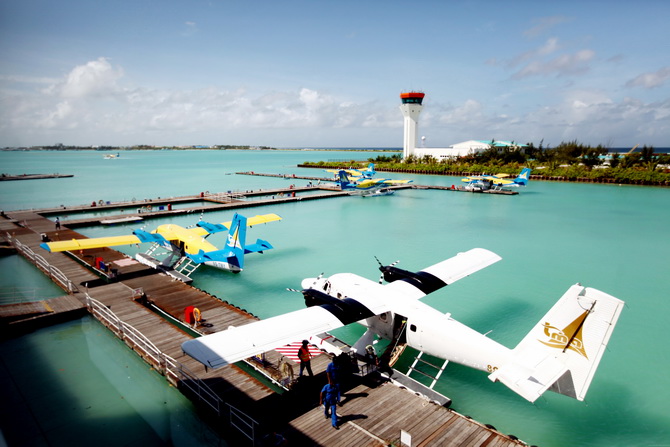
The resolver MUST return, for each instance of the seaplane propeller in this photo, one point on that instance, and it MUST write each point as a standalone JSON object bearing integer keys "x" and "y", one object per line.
{"x": 202, "y": 214}
{"x": 308, "y": 288}
{"x": 388, "y": 271}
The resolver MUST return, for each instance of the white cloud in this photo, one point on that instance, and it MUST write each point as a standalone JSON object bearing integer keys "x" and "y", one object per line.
{"x": 650, "y": 80}
{"x": 91, "y": 105}
{"x": 95, "y": 78}
{"x": 190, "y": 28}
{"x": 549, "y": 59}
{"x": 544, "y": 24}
{"x": 563, "y": 65}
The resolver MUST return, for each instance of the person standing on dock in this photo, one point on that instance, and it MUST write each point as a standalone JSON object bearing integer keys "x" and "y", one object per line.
{"x": 305, "y": 358}
{"x": 333, "y": 371}
{"x": 329, "y": 398}
{"x": 57, "y": 223}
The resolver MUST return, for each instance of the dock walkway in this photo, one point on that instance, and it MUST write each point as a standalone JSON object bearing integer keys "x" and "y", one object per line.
{"x": 195, "y": 204}
{"x": 374, "y": 410}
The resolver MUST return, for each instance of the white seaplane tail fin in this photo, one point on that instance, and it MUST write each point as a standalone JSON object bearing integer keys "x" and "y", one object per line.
{"x": 562, "y": 352}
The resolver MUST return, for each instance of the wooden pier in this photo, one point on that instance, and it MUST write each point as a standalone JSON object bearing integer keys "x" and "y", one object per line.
{"x": 192, "y": 204}
{"x": 145, "y": 308}
{"x": 7, "y": 177}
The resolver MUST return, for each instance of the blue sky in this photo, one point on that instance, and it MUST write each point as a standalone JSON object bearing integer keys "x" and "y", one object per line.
{"x": 329, "y": 73}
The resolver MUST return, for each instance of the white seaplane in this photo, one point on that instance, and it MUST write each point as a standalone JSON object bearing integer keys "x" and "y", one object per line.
{"x": 560, "y": 353}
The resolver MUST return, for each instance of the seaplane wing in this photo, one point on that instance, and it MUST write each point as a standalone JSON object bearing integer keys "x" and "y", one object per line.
{"x": 396, "y": 182}
{"x": 327, "y": 312}
{"x": 205, "y": 228}
{"x": 351, "y": 172}
{"x": 503, "y": 182}
{"x": 371, "y": 183}
{"x": 419, "y": 284}
{"x": 238, "y": 343}
{"x": 83, "y": 244}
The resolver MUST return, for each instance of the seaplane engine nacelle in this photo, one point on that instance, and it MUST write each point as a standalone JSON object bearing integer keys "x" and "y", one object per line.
{"x": 421, "y": 280}
{"x": 347, "y": 310}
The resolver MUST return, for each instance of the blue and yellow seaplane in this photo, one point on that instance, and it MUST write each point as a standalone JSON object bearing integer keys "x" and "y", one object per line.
{"x": 368, "y": 186}
{"x": 367, "y": 173}
{"x": 187, "y": 247}
{"x": 498, "y": 180}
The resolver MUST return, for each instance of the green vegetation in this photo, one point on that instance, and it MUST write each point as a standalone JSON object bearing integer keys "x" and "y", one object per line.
{"x": 570, "y": 161}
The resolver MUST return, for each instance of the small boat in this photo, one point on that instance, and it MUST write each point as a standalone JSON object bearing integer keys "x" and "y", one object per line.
{"x": 121, "y": 220}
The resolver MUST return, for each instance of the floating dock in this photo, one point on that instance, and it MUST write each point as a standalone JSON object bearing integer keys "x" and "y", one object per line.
{"x": 145, "y": 309}
{"x": 7, "y": 177}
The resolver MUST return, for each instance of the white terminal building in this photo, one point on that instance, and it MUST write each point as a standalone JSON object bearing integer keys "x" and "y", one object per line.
{"x": 412, "y": 104}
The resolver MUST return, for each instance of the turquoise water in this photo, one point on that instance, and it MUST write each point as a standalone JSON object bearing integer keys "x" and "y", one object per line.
{"x": 17, "y": 288}
{"x": 76, "y": 384}
{"x": 550, "y": 236}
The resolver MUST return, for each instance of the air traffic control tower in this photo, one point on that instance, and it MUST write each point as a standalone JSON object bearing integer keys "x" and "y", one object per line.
{"x": 410, "y": 108}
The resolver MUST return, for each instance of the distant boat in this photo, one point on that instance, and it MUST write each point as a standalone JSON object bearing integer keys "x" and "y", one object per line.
{"x": 121, "y": 220}
{"x": 110, "y": 156}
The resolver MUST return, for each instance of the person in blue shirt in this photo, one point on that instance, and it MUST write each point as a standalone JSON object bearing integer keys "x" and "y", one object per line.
{"x": 329, "y": 398}
{"x": 333, "y": 371}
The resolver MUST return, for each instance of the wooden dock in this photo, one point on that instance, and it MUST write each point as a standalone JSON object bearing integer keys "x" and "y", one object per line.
{"x": 374, "y": 410}
{"x": 7, "y": 177}
{"x": 195, "y": 204}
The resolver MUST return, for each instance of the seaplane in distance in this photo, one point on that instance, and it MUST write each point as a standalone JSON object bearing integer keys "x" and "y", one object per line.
{"x": 498, "y": 180}
{"x": 367, "y": 186}
{"x": 186, "y": 246}
{"x": 367, "y": 173}
{"x": 560, "y": 353}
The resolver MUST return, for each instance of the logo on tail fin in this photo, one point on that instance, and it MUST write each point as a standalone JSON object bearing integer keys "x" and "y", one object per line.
{"x": 568, "y": 338}
{"x": 234, "y": 238}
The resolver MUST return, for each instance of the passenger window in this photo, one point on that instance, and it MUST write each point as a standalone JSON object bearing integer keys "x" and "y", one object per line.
{"x": 412, "y": 328}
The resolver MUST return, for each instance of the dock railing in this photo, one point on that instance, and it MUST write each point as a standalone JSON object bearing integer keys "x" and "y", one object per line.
{"x": 15, "y": 295}
{"x": 175, "y": 372}
{"x": 43, "y": 264}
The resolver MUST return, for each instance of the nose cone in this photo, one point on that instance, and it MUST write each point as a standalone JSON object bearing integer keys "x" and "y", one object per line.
{"x": 308, "y": 283}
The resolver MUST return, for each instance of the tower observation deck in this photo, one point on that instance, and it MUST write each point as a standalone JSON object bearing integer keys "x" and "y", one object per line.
{"x": 412, "y": 103}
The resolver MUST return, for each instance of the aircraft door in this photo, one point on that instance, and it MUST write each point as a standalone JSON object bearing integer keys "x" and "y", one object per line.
{"x": 414, "y": 334}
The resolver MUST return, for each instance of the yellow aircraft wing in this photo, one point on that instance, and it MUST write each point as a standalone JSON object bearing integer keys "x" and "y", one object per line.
{"x": 251, "y": 221}
{"x": 351, "y": 172}
{"x": 259, "y": 219}
{"x": 98, "y": 242}
{"x": 502, "y": 181}
{"x": 169, "y": 232}
{"x": 397, "y": 182}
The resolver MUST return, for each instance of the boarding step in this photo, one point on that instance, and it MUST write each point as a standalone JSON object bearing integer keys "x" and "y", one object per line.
{"x": 154, "y": 263}
{"x": 186, "y": 266}
{"x": 413, "y": 385}
{"x": 435, "y": 378}
{"x": 152, "y": 249}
